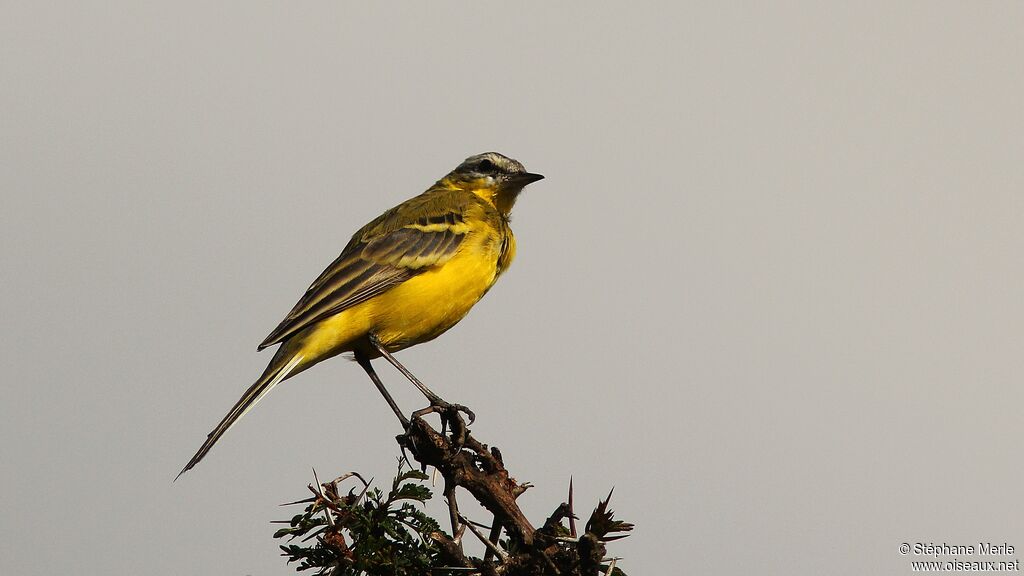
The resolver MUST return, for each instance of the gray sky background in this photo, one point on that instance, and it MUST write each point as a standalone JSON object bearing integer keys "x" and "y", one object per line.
{"x": 770, "y": 291}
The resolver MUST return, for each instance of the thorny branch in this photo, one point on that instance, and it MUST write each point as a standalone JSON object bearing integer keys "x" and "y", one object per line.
{"x": 463, "y": 462}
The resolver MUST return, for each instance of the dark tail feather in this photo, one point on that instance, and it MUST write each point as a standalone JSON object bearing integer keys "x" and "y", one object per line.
{"x": 278, "y": 370}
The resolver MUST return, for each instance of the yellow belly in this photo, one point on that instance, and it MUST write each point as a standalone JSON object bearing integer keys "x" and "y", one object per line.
{"x": 425, "y": 306}
{"x": 415, "y": 311}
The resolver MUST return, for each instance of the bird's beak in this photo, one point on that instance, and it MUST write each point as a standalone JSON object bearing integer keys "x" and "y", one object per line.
{"x": 525, "y": 178}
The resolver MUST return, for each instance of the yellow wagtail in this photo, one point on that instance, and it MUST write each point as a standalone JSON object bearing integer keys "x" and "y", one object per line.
{"x": 404, "y": 278}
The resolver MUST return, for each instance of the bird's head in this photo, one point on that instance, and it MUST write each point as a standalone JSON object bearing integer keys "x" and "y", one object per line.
{"x": 495, "y": 177}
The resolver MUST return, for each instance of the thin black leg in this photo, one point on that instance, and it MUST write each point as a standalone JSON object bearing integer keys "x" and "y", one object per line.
{"x": 364, "y": 361}
{"x": 433, "y": 398}
{"x": 436, "y": 403}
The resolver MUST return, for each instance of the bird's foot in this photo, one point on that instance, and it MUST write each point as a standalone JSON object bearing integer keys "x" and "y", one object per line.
{"x": 450, "y": 417}
{"x": 445, "y": 410}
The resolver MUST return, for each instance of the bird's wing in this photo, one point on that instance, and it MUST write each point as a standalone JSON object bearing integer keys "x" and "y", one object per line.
{"x": 422, "y": 232}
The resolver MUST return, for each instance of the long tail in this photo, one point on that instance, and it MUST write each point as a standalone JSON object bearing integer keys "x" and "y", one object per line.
{"x": 277, "y": 371}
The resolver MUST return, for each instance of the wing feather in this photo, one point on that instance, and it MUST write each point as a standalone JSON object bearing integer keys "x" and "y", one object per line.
{"x": 386, "y": 252}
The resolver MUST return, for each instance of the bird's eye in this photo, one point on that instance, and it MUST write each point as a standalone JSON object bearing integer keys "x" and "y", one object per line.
{"x": 486, "y": 166}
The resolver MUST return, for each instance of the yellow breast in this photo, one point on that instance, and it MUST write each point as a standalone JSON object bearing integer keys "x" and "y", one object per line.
{"x": 430, "y": 303}
{"x": 422, "y": 307}
{"x": 417, "y": 310}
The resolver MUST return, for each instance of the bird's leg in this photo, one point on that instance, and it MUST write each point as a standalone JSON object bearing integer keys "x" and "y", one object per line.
{"x": 436, "y": 403}
{"x": 364, "y": 361}
{"x": 405, "y": 371}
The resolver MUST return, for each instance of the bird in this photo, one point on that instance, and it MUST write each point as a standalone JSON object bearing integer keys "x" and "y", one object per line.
{"x": 404, "y": 278}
